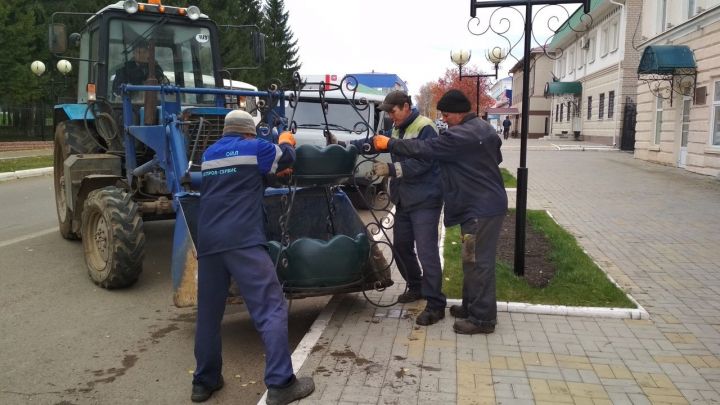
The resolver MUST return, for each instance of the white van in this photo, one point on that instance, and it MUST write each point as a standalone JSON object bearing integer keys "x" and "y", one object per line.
{"x": 346, "y": 122}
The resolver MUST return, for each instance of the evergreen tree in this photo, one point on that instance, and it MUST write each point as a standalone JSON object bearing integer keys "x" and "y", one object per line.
{"x": 236, "y": 43}
{"x": 282, "y": 59}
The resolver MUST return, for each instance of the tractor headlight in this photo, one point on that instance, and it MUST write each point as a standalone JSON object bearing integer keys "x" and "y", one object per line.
{"x": 130, "y": 6}
{"x": 193, "y": 12}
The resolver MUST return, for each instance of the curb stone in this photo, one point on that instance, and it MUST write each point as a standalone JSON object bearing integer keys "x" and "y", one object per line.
{"x": 22, "y": 174}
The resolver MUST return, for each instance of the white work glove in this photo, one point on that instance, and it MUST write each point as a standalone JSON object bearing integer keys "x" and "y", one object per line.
{"x": 330, "y": 138}
{"x": 381, "y": 169}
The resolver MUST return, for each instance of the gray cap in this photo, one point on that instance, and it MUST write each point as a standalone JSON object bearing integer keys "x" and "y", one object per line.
{"x": 239, "y": 122}
{"x": 395, "y": 98}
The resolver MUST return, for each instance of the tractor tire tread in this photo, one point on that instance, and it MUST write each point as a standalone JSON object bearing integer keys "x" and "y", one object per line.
{"x": 126, "y": 225}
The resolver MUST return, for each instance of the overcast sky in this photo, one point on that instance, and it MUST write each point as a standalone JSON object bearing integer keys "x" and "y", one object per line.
{"x": 412, "y": 39}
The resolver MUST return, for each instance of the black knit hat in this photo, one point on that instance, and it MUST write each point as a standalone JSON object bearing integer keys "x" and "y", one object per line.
{"x": 454, "y": 101}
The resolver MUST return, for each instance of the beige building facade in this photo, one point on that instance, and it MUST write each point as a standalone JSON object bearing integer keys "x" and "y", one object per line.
{"x": 540, "y": 68}
{"x": 595, "y": 72}
{"x": 680, "y": 125}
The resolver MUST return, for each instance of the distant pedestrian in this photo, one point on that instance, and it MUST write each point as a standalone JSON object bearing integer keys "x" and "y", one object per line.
{"x": 475, "y": 198}
{"x": 506, "y": 127}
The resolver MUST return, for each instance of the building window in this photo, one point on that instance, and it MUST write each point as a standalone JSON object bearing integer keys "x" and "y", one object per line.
{"x": 571, "y": 61}
{"x": 613, "y": 36}
{"x": 605, "y": 46}
{"x": 569, "y": 110}
{"x": 561, "y": 112}
{"x": 591, "y": 49}
{"x": 611, "y": 104}
{"x": 589, "y": 107}
{"x": 658, "y": 120}
{"x": 557, "y": 112}
{"x": 691, "y": 8}
{"x": 663, "y": 16}
{"x": 716, "y": 116}
{"x": 601, "y": 106}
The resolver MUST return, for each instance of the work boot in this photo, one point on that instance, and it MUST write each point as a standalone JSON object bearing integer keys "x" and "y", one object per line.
{"x": 201, "y": 393}
{"x": 300, "y": 388}
{"x": 458, "y": 311}
{"x": 465, "y": 327}
{"x": 430, "y": 316}
{"x": 409, "y": 296}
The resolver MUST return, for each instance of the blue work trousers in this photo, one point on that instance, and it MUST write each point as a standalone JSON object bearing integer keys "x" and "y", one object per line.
{"x": 479, "y": 245}
{"x": 419, "y": 228}
{"x": 254, "y": 273}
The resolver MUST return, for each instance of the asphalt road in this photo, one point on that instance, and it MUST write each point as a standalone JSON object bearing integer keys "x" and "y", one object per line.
{"x": 65, "y": 341}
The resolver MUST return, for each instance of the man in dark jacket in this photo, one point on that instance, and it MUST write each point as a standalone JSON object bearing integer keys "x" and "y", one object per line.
{"x": 231, "y": 243}
{"x": 506, "y": 127}
{"x": 416, "y": 191}
{"x": 474, "y": 194}
{"x": 135, "y": 71}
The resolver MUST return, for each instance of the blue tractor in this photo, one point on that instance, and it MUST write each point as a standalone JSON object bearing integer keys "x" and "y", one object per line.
{"x": 129, "y": 151}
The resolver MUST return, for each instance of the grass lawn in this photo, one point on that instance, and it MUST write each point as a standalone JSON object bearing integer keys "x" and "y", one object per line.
{"x": 508, "y": 178}
{"x": 32, "y": 162}
{"x": 577, "y": 282}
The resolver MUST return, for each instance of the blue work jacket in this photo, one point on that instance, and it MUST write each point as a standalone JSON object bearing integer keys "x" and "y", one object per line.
{"x": 231, "y": 213}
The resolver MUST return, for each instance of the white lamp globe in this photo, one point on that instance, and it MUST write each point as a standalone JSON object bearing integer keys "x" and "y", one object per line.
{"x": 460, "y": 57}
{"x": 64, "y": 66}
{"x": 496, "y": 55}
{"x": 37, "y": 67}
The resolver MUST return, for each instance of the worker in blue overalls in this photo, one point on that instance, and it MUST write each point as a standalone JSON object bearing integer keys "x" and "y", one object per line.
{"x": 232, "y": 243}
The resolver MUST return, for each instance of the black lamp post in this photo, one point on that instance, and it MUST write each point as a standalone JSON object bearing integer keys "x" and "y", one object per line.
{"x": 462, "y": 57}
{"x": 522, "y": 172}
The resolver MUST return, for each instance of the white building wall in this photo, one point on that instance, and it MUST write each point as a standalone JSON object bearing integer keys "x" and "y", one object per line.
{"x": 539, "y": 111}
{"x": 599, "y": 60}
{"x": 701, "y": 33}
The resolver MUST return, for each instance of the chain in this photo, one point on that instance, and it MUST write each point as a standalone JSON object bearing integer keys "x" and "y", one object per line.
{"x": 331, "y": 211}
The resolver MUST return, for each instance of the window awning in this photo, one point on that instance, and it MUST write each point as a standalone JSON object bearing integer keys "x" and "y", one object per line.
{"x": 558, "y": 88}
{"x": 667, "y": 60}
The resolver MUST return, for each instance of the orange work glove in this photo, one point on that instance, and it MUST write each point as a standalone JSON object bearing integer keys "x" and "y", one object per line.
{"x": 285, "y": 172}
{"x": 380, "y": 142}
{"x": 287, "y": 137}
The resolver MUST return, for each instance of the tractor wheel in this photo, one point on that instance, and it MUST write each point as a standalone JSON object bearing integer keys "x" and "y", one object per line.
{"x": 71, "y": 138}
{"x": 113, "y": 238}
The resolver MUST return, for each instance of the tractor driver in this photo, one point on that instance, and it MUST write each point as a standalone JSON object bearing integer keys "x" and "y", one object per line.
{"x": 135, "y": 71}
{"x": 231, "y": 243}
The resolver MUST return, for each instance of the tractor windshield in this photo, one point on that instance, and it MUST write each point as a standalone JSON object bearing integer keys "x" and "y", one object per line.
{"x": 182, "y": 56}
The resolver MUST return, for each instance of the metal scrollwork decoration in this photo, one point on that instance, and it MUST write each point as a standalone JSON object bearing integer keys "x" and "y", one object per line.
{"x": 370, "y": 191}
{"x": 682, "y": 82}
{"x": 501, "y": 20}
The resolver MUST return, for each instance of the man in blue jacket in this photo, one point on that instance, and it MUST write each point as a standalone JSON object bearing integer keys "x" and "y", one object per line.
{"x": 416, "y": 191}
{"x": 231, "y": 243}
{"x": 474, "y": 194}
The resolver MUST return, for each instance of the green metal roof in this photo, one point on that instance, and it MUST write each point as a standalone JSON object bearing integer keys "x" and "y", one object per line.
{"x": 667, "y": 60}
{"x": 556, "y": 88}
{"x": 572, "y": 24}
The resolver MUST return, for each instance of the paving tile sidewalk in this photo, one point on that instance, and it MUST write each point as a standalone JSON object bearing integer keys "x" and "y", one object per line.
{"x": 655, "y": 229}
